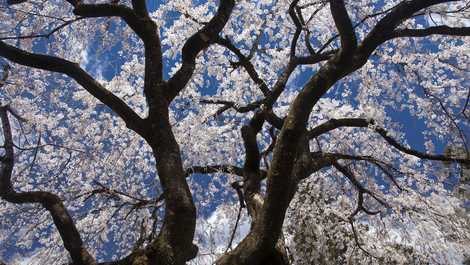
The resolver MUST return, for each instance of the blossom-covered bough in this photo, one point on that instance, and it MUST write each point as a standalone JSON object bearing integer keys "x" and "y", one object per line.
{"x": 162, "y": 126}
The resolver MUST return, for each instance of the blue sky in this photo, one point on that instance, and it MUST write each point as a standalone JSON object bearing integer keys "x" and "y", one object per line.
{"x": 412, "y": 127}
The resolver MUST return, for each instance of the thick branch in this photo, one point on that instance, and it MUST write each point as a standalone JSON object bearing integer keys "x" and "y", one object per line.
{"x": 16, "y": 2}
{"x": 337, "y": 123}
{"x": 73, "y": 70}
{"x": 344, "y": 26}
{"x": 383, "y": 166}
{"x": 298, "y": 27}
{"x": 416, "y": 153}
{"x": 6, "y": 73}
{"x": 315, "y": 58}
{"x": 384, "y": 29}
{"x": 361, "y": 123}
{"x": 280, "y": 176}
{"x": 140, "y": 7}
{"x": 139, "y": 21}
{"x": 251, "y": 167}
{"x": 51, "y": 202}
{"x": 111, "y": 10}
{"x": 438, "y": 30}
{"x": 196, "y": 43}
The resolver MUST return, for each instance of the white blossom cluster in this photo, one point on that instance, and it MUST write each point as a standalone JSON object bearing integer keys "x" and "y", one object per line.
{"x": 71, "y": 144}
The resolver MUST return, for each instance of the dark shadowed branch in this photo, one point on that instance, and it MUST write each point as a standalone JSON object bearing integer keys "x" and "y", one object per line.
{"x": 74, "y": 71}
{"x": 364, "y": 123}
{"x": 245, "y": 62}
{"x": 229, "y": 169}
{"x": 51, "y": 202}
{"x": 344, "y": 25}
{"x": 196, "y": 43}
{"x": 437, "y": 30}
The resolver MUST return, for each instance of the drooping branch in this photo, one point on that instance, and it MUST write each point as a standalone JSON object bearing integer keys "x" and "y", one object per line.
{"x": 51, "y": 202}
{"x": 383, "y": 166}
{"x": 241, "y": 197}
{"x": 292, "y": 128}
{"x": 280, "y": 175}
{"x": 361, "y": 190}
{"x": 73, "y": 70}
{"x": 360, "y": 207}
{"x": 356, "y": 183}
{"x": 112, "y": 10}
{"x": 362, "y": 123}
{"x": 117, "y": 194}
{"x": 419, "y": 154}
{"x": 137, "y": 17}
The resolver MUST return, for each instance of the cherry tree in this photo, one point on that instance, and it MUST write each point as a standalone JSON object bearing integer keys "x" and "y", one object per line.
{"x": 316, "y": 129}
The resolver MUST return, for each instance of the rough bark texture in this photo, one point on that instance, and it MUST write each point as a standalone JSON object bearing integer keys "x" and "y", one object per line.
{"x": 292, "y": 160}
